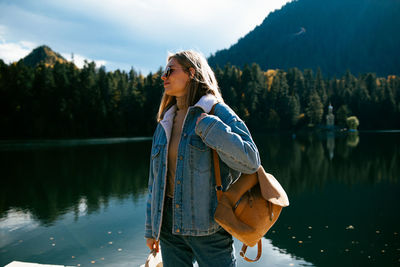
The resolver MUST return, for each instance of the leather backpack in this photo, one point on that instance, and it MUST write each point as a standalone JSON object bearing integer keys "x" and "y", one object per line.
{"x": 249, "y": 207}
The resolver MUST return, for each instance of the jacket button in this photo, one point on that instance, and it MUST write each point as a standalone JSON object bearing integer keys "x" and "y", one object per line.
{"x": 177, "y": 206}
{"x": 178, "y": 182}
{"x": 184, "y": 134}
{"x": 180, "y": 157}
{"x": 177, "y": 230}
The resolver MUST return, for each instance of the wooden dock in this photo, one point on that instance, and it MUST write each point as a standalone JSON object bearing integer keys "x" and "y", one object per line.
{"x": 29, "y": 264}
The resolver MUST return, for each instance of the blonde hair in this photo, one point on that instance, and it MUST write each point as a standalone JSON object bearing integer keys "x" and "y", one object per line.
{"x": 203, "y": 82}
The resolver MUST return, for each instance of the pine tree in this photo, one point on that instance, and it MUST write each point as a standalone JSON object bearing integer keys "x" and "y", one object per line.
{"x": 294, "y": 110}
{"x": 342, "y": 114}
{"x": 315, "y": 109}
{"x": 319, "y": 86}
{"x": 388, "y": 106}
{"x": 43, "y": 93}
{"x": 308, "y": 87}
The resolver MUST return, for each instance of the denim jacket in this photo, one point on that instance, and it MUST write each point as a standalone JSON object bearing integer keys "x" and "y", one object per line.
{"x": 195, "y": 198}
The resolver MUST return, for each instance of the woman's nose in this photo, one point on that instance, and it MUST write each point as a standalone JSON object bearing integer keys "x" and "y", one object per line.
{"x": 163, "y": 77}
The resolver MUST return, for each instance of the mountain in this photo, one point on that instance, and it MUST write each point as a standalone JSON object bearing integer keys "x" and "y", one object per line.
{"x": 334, "y": 35}
{"x": 43, "y": 54}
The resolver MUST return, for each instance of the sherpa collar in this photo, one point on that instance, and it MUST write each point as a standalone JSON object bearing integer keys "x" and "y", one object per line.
{"x": 206, "y": 103}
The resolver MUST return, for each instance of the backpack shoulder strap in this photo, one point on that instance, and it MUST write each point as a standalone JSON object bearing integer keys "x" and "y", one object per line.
{"x": 217, "y": 172}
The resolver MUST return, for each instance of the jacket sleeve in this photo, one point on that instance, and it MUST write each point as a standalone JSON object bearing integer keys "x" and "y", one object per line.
{"x": 231, "y": 140}
{"x": 148, "y": 228}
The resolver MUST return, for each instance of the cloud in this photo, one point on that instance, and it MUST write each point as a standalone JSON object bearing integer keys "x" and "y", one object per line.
{"x": 133, "y": 33}
{"x": 11, "y": 52}
{"x": 208, "y": 23}
{"x": 79, "y": 60}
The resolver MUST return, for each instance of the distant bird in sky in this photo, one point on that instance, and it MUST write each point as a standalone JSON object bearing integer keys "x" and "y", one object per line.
{"x": 302, "y": 31}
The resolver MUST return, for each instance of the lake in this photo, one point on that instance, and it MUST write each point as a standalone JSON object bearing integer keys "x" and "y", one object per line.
{"x": 82, "y": 202}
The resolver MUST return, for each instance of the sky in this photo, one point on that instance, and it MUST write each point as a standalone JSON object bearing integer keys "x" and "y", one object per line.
{"x": 121, "y": 34}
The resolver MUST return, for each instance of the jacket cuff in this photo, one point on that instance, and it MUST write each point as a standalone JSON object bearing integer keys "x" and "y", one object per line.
{"x": 148, "y": 234}
{"x": 205, "y": 124}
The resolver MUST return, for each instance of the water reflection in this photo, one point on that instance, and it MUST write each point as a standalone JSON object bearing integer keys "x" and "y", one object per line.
{"x": 111, "y": 237}
{"x": 311, "y": 161}
{"x": 344, "y": 192}
{"x": 330, "y": 143}
{"x": 16, "y": 220}
{"x": 272, "y": 256}
{"x": 352, "y": 139}
{"x": 50, "y": 182}
{"x": 342, "y": 206}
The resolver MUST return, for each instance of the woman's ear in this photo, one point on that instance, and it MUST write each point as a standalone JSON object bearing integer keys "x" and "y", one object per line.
{"x": 192, "y": 72}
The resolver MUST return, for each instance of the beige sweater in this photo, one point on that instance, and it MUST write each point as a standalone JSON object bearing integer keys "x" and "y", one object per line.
{"x": 174, "y": 143}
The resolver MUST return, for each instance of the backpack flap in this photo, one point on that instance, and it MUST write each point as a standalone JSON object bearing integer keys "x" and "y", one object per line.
{"x": 271, "y": 189}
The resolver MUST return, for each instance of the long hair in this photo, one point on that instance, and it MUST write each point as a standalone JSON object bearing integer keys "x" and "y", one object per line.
{"x": 203, "y": 82}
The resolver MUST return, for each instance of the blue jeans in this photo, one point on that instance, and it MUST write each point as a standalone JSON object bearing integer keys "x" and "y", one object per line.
{"x": 177, "y": 250}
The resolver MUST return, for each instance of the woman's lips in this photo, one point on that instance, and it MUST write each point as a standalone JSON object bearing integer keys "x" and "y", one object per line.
{"x": 165, "y": 84}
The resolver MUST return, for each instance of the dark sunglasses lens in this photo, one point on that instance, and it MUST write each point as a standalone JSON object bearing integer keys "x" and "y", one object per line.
{"x": 167, "y": 72}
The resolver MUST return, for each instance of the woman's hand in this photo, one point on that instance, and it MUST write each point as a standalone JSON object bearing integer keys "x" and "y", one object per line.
{"x": 202, "y": 115}
{"x": 153, "y": 244}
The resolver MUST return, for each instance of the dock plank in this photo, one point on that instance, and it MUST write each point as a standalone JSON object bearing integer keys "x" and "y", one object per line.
{"x": 29, "y": 264}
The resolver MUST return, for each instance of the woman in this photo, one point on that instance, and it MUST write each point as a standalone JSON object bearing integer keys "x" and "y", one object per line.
{"x": 182, "y": 197}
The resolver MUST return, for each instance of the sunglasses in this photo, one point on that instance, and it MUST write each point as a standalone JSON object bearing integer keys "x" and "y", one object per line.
{"x": 168, "y": 71}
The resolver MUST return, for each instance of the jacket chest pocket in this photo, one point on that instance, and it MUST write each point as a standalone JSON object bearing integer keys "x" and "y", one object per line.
{"x": 156, "y": 158}
{"x": 200, "y": 156}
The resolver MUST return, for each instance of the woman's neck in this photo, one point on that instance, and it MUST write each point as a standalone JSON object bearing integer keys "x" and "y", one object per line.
{"x": 181, "y": 102}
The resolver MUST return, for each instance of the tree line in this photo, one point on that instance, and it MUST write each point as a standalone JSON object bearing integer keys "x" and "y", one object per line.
{"x": 63, "y": 101}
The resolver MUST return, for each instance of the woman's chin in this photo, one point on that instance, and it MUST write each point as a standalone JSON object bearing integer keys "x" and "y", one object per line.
{"x": 174, "y": 92}
{"x": 167, "y": 92}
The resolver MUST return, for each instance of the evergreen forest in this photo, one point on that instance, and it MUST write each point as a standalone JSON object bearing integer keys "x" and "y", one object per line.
{"x": 63, "y": 101}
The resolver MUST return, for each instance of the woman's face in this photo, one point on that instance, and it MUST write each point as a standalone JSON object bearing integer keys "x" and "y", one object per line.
{"x": 176, "y": 83}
